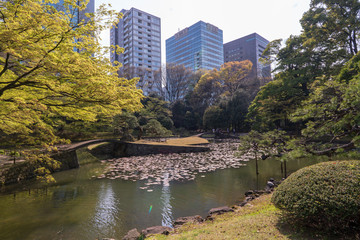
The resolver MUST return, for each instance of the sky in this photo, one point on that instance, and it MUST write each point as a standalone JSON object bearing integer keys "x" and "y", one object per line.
{"x": 272, "y": 19}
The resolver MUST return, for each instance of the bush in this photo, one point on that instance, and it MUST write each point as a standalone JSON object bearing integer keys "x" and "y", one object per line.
{"x": 324, "y": 196}
{"x": 154, "y": 129}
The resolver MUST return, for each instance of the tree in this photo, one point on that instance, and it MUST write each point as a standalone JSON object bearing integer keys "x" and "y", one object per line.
{"x": 155, "y": 108}
{"x": 43, "y": 79}
{"x": 238, "y": 75}
{"x": 332, "y": 112}
{"x": 264, "y": 145}
{"x": 52, "y": 71}
{"x": 329, "y": 39}
{"x": 236, "y": 109}
{"x": 216, "y": 87}
{"x": 332, "y": 28}
{"x": 175, "y": 81}
{"x": 214, "y": 118}
{"x": 124, "y": 125}
{"x": 147, "y": 78}
{"x": 206, "y": 92}
{"x": 154, "y": 129}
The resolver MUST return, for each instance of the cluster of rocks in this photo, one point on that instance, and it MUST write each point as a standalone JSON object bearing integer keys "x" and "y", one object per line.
{"x": 135, "y": 234}
{"x": 249, "y": 196}
{"x": 162, "y": 168}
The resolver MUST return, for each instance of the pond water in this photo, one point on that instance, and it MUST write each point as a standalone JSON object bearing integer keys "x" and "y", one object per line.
{"x": 80, "y": 207}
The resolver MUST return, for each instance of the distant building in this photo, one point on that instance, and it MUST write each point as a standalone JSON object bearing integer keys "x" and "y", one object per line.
{"x": 139, "y": 33}
{"x": 199, "y": 46}
{"x": 250, "y": 48}
{"x": 78, "y": 16}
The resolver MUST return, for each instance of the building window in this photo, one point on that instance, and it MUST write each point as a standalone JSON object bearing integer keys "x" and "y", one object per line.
{"x": 149, "y": 24}
{"x": 139, "y": 14}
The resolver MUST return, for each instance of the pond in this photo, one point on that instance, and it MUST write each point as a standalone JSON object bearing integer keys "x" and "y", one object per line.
{"x": 81, "y": 207}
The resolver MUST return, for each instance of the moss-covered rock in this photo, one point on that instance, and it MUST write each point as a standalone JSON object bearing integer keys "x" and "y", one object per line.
{"x": 325, "y": 196}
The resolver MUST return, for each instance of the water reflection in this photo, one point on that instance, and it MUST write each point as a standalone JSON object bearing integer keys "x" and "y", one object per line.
{"x": 80, "y": 208}
{"x": 106, "y": 210}
{"x": 167, "y": 217}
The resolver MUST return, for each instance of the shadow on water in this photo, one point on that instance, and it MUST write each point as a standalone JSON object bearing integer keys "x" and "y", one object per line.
{"x": 79, "y": 207}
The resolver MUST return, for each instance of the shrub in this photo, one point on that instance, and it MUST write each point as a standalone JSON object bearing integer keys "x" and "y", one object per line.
{"x": 154, "y": 129}
{"x": 325, "y": 196}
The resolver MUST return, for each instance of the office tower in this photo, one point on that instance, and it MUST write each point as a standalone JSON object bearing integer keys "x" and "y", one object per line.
{"x": 250, "y": 48}
{"x": 139, "y": 33}
{"x": 199, "y": 46}
{"x": 78, "y": 16}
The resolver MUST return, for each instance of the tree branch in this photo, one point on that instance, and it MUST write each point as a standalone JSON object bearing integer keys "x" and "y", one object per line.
{"x": 5, "y": 65}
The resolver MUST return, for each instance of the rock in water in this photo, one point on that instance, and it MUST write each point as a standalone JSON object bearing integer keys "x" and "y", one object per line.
{"x": 133, "y": 234}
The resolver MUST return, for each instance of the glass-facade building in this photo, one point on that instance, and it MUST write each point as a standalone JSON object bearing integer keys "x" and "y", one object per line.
{"x": 78, "y": 16}
{"x": 250, "y": 47}
{"x": 199, "y": 46}
{"x": 139, "y": 33}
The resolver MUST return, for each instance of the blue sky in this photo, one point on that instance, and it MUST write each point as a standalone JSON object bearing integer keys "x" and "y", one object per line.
{"x": 272, "y": 19}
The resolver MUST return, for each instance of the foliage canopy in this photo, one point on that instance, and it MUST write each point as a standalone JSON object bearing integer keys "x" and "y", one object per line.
{"x": 52, "y": 70}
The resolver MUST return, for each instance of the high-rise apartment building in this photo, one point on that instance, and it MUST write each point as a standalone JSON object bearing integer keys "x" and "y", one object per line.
{"x": 139, "y": 33}
{"x": 199, "y": 46}
{"x": 250, "y": 48}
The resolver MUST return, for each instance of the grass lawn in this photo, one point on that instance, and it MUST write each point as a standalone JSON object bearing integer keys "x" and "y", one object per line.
{"x": 178, "y": 141}
{"x": 258, "y": 220}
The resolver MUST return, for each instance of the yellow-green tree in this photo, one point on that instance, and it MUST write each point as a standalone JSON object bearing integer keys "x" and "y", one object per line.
{"x": 53, "y": 69}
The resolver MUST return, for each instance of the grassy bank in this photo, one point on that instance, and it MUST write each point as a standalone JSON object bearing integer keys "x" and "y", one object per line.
{"x": 258, "y": 219}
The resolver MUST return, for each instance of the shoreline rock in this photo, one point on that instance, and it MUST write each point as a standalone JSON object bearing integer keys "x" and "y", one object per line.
{"x": 156, "y": 230}
{"x": 182, "y": 220}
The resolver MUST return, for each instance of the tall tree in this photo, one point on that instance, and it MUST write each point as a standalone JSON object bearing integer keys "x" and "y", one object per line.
{"x": 332, "y": 28}
{"x": 44, "y": 80}
{"x": 329, "y": 39}
{"x": 332, "y": 112}
{"x": 175, "y": 81}
{"x": 236, "y": 76}
{"x": 217, "y": 85}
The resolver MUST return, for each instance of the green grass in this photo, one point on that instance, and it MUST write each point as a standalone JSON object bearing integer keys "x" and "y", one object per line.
{"x": 257, "y": 220}
{"x": 177, "y": 141}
